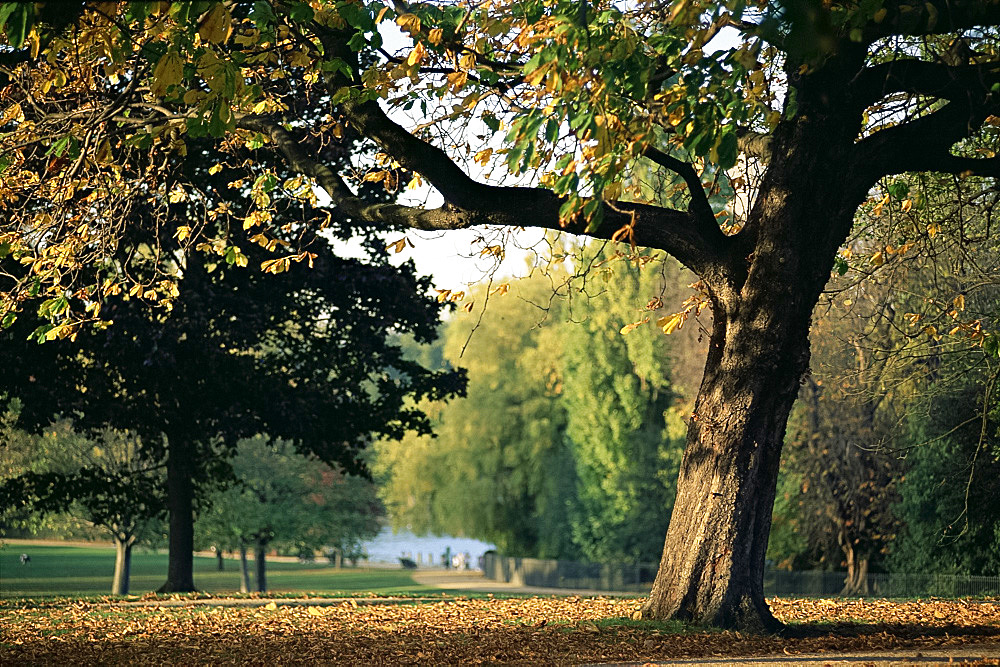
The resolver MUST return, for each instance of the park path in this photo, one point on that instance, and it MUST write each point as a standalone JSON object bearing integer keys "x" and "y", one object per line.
{"x": 972, "y": 654}
{"x": 476, "y": 581}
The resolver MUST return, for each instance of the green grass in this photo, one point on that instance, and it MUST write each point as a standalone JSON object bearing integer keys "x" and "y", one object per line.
{"x": 74, "y": 571}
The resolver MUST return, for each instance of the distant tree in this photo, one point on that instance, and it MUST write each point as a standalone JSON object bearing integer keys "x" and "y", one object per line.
{"x": 882, "y": 366}
{"x": 562, "y": 448}
{"x": 281, "y": 499}
{"x": 307, "y": 354}
{"x": 105, "y": 480}
{"x": 623, "y": 428}
{"x": 950, "y": 492}
{"x": 499, "y": 468}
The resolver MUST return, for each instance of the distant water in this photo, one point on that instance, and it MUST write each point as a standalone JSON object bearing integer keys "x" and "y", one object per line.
{"x": 388, "y": 547}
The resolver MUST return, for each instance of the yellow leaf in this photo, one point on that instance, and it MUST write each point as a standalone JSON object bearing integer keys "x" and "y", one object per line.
{"x": 907, "y": 205}
{"x": 932, "y": 230}
{"x": 435, "y": 35}
{"x": 469, "y": 306}
{"x": 375, "y": 176}
{"x": 271, "y": 606}
{"x": 215, "y": 169}
{"x": 613, "y": 191}
{"x": 959, "y": 302}
{"x": 409, "y": 22}
{"x": 467, "y": 61}
{"x": 671, "y": 323}
{"x": 275, "y": 265}
{"x": 416, "y": 54}
{"x": 217, "y": 26}
{"x": 878, "y": 259}
{"x": 177, "y": 195}
{"x": 501, "y": 290}
{"x": 314, "y": 611}
{"x": 483, "y": 156}
{"x": 256, "y": 218}
{"x": 880, "y": 15}
{"x": 182, "y": 232}
{"x": 397, "y": 246}
{"x": 628, "y": 328}
{"x": 169, "y": 71}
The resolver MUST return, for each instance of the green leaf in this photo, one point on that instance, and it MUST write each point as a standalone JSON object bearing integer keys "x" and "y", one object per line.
{"x": 728, "y": 151}
{"x": 991, "y": 345}
{"x": 17, "y": 22}
{"x": 300, "y": 12}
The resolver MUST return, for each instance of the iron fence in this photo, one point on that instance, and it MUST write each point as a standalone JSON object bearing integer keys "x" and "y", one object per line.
{"x": 638, "y": 578}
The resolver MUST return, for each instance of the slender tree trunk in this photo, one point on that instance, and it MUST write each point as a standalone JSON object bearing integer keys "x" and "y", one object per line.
{"x": 260, "y": 566}
{"x": 856, "y": 582}
{"x": 180, "y": 504}
{"x": 123, "y": 565}
{"x": 220, "y": 563}
{"x": 244, "y": 569}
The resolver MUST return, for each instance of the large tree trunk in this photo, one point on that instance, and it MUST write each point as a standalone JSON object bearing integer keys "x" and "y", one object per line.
{"x": 260, "y": 565}
{"x": 763, "y": 291}
{"x": 123, "y": 565}
{"x": 712, "y": 568}
{"x": 180, "y": 504}
{"x": 244, "y": 569}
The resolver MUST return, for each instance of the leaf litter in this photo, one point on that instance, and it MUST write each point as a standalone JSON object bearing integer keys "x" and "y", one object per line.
{"x": 538, "y": 630}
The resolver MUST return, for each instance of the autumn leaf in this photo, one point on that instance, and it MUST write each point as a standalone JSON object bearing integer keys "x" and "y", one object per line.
{"x": 671, "y": 323}
{"x": 169, "y": 71}
{"x": 217, "y": 26}
{"x": 629, "y": 328}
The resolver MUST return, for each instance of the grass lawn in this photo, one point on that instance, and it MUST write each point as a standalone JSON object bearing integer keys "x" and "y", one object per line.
{"x": 74, "y": 570}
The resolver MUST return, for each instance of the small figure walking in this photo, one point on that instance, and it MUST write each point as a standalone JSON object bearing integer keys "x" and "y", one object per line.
{"x": 25, "y": 559}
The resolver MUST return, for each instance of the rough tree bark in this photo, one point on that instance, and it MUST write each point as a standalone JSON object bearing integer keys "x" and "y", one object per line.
{"x": 712, "y": 568}
{"x": 180, "y": 505}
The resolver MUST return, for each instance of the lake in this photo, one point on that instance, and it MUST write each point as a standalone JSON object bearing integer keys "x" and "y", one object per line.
{"x": 388, "y": 547}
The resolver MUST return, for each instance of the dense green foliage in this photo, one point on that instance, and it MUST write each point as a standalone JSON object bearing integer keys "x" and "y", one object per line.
{"x": 567, "y": 443}
{"x": 283, "y": 500}
{"x": 892, "y": 451}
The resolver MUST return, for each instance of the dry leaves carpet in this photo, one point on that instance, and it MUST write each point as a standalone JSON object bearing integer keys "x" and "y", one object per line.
{"x": 550, "y": 630}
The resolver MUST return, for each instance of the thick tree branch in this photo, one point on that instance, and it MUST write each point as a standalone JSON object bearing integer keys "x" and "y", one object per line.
{"x": 924, "y": 144}
{"x": 469, "y": 203}
{"x": 699, "y": 206}
{"x": 932, "y": 17}
{"x": 919, "y": 77}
